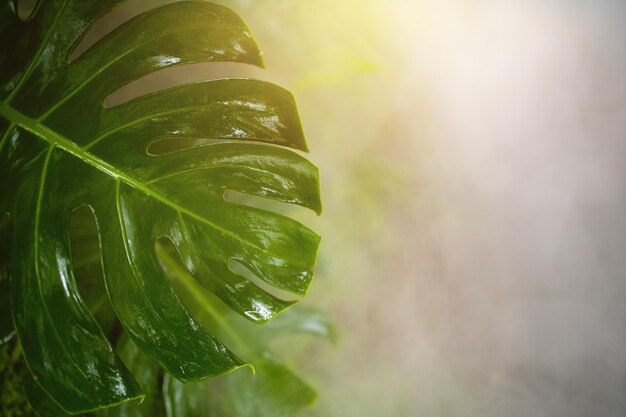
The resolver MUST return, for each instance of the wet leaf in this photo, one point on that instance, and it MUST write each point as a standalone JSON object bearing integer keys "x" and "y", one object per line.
{"x": 61, "y": 148}
{"x": 274, "y": 391}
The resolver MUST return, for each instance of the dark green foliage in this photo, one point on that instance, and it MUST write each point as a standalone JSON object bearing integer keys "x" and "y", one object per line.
{"x": 61, "y": 148}
{"x": 13, "y": 376}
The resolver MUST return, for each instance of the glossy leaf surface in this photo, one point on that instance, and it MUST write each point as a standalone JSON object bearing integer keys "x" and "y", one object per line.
{"x": 61, "y": 148}
{"x": 275, "y": 390}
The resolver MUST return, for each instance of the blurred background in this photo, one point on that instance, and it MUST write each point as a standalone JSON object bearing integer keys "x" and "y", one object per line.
{"x": 473, "y": 161}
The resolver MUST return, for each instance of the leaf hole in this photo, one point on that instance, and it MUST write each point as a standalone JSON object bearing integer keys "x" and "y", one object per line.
{"x": 106, "y": 24}
{"x": 179, "y": 75}
{"x": 178, "y": 273}
{"x": 26, "y": 9}
{"x": 87, "y": 265}
{"x": 240, "y": 269}
{"x": 301, "y": 214}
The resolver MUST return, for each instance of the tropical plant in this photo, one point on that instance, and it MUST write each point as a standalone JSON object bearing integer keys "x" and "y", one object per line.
{"x": 162, "y": 218}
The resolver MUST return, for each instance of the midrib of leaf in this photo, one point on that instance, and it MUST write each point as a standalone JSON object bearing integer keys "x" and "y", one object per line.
{"x": 57, "y": 140}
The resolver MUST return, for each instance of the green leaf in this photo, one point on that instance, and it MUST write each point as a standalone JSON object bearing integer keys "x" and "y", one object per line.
{"x": 61, "y": 148}
{"x": 274, "y": 391}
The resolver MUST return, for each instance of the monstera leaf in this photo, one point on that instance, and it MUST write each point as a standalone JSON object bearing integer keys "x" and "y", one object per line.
{"x": 62, "y": 148}
{"x": 275, "y": 390}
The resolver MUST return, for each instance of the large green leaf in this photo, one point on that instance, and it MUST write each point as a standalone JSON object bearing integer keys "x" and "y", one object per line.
{"x": 61, "y": 147}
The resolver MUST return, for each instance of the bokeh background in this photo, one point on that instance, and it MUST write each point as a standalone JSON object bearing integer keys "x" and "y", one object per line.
{"x": 473, "y": 161}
